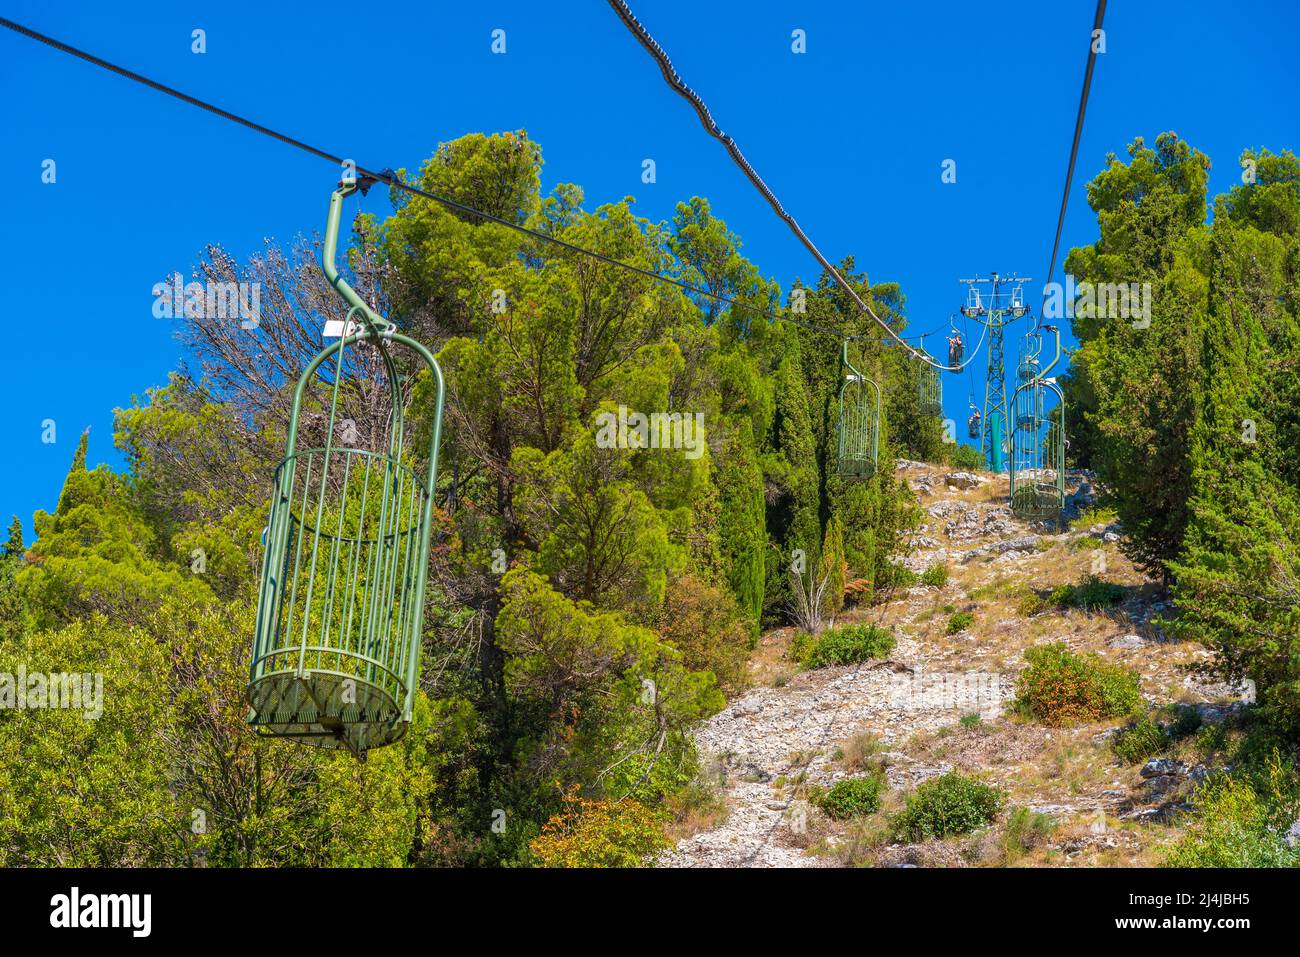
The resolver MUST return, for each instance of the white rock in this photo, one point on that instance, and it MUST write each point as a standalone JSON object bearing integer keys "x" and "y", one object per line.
{"x": 1127, "y": 641}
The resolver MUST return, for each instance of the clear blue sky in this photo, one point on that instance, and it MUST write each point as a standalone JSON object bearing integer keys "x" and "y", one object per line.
{"x": 851, "y": 135}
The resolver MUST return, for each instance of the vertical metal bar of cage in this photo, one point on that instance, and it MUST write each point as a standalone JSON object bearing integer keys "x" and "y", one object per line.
{"x": 426, "y": 524}
{"x": 272, "y": 585}
{"x": 355, "y": 553}
{"x": 336, "y": 548}
{"x": 408, "y": 570}
{"x": 376, "y": 564}
{"x": 340, "y": 357}
{"x": 382, "y": 648}
{"x": 297, "y": 552}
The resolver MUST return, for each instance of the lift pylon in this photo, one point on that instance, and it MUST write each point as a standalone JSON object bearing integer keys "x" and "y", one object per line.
{"x": 988, "y": 301}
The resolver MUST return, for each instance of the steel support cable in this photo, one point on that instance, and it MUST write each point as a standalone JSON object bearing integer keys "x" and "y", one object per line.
{"x": 710, "y": 125}
{"x": 388, "y": 178}
{"x": 1098, "y": 17}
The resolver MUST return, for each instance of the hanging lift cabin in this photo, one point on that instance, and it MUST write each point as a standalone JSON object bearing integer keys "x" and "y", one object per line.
{"x": 929, "y": 387}
{"x": 336, "y": 649}
{"x": 1038, "y": 435}
{"x": 858, "y": 427}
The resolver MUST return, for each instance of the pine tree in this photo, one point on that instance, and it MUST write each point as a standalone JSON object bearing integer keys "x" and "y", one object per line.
{"x": 95, "y": 553}
{"x": 14, "y": 547}
{"x": 78, "y": 466}
{"x": 1137, "y": 388}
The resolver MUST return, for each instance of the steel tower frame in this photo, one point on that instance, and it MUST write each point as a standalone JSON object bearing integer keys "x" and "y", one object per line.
{"x": 1000, "y": 309}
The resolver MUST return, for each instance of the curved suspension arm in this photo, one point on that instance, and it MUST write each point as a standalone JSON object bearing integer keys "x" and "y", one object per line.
{"x": 374, "y": 321}
{"x": 1057, "y": 356}
{"x": 844, "y": 361}
{"x": 859, "y": 378}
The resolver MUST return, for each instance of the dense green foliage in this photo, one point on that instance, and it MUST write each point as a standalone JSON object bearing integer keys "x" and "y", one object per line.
{"x": 936, "y": 575}
{"x": 853, "y": 797}
{"x": 589, "y": 601}
{"x": 846, "y": 645}
{"x": 965, "y": 456}
{"x": 959, "y": 622}
{"x": 1139, "y": 741}
{"x": 950, "y": 804}
{"x": 1241, "y": 819}
{"x": 1060, "y": 687}
{"x": 1192, "y": 420}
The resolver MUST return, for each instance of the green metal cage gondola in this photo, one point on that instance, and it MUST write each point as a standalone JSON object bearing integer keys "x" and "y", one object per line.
{"x": 929, "y": 387}
{"x": 1029, "y": 414}
{"x": 858, "y": 427}
{"x": 1037, "y": 467}
{"x": 336, "y": 650}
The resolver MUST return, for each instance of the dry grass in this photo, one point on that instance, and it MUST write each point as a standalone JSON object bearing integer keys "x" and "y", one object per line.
{"x": 860, "y": 752}
{"x": 700, "y": 807}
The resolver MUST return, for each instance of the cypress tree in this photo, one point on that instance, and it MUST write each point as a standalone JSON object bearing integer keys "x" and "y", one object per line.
{"x": 742, "y": 531}
{"x": 833, "y": 565}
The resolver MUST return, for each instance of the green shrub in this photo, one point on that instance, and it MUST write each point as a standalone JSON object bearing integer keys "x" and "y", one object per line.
{"x": 901, "y": 576}
{"x": 936, "y": 575}
{"x": 1140, "y": 740}
{"x": 947, "y": 805}
{"x": 853, "y": 797}
{"x": 1184, "y": 721}
{"x": 967, "y": 457}
{"x": 970, "y": 721}
{"x": 1030, "y": 604}
{"x": 848, "y": 645}
{"x": 1240, "y": 820}
{"x": 1062, "y": 596}
{"x": 1060, "y": 687}
{"x": 960, "y": 622}
{"x": 801, "y": 646}
{"x": 1094, "y": 516}
{"x": 1092, "y": 592}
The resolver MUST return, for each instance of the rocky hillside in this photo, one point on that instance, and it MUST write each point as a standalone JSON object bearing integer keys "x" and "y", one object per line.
{"x": 941, "y": 702}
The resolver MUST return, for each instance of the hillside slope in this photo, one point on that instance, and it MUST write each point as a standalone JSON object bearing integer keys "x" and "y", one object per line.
{"x": 795, "y": 733}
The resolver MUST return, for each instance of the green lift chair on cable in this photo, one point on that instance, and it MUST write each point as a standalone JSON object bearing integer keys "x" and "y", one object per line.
{"x": 1038, "y": 437}
{"x": 858, "y": 429}
{"x": 929, "y": 388}
{"x": 336, "y": 651}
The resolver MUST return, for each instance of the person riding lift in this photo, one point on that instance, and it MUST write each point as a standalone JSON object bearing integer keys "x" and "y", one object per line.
{"x": 955, "y": 348}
